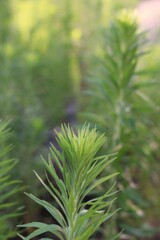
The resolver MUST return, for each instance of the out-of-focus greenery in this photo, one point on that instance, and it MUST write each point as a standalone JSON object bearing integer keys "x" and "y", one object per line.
{"x": 35, "y": 73}
{"x": 119, "y": 102}
{"x": 149, "y": 182}
{"x": 45, "y": 53}
{"x": 8, "y": 186}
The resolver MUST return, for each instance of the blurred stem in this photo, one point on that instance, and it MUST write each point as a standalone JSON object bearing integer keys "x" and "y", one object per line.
{"x": 112, "y": 230}
{"x": 119, "y": 115}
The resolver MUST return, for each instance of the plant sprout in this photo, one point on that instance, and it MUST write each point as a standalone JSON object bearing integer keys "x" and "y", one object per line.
{"x": 80, "y": 167}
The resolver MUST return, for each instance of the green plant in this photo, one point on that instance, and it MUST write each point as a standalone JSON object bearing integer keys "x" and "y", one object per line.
{"x": 79, "y": 166}
{"x": 8, "y": 186}
{"x": 118, "y": 102}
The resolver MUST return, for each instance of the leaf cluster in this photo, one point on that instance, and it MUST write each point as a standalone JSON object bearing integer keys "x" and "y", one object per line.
{"x": 79, "y": 167}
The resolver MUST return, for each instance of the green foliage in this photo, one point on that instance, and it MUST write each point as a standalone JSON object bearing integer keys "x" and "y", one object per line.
{"x": 80, "y": 168}
{"x": 115, "y": 84}
{"x": 118, "y": 101}
{"x": 46, "y": 52}
{"x": 8, "y": 186}
{"x": 33, "y": 87}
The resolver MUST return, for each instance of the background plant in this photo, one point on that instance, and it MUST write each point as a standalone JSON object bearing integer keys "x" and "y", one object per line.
{"x": 79, "y": 166}
{"x": 9, "y": 207}
{"x": 118, "y": 102}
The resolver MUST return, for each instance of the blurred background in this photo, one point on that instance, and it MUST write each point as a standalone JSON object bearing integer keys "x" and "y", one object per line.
{"x": 47, "y": 50}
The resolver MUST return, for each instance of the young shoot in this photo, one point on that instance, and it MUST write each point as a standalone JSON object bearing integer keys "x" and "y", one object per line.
{"x": 79, "y": 167}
